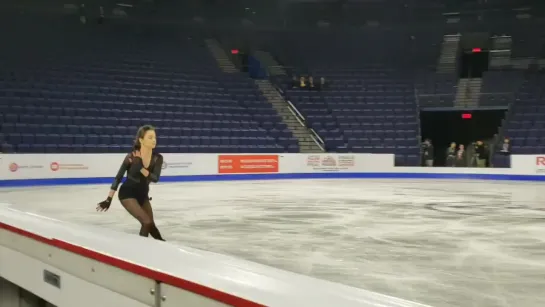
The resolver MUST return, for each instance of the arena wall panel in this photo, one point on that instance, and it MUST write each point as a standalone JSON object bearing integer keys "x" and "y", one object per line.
{"x": 62, "y": 169}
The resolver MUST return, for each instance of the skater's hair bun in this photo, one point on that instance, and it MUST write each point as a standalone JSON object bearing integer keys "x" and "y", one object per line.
{"x": 140, "y": 135}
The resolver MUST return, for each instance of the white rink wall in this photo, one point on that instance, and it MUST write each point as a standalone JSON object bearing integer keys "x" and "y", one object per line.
{"x": 56, "y": 169}
{"x": 74, "y": 265}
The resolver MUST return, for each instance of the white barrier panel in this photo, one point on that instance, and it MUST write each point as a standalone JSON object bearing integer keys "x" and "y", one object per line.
{"x": 32, "y": 166}
{"x": 66, "y": 166}
{"x": 39, "y": 166}
{"x": 528, "y": 164}
{"x": 335, "y": 163}
{"x": 70, "y": 265}
{"x": 43, "y": 166}
{"x": 189, "y": 164}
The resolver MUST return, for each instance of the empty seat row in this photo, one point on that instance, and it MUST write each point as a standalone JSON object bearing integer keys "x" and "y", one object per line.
{"x": 27, "y": 138}
{"x": 105, "y": 148}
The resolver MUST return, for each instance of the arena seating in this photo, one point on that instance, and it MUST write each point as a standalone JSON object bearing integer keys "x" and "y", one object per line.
{"x": 87, "y": 90}
{"x": 370, "y": 104}
{"x": 526, "y": 120}
{"x": 91, "y": 96}
{"x": 435, "y": 89}
{"x": 362, "y": 112}
{"x": 498, "y": 87}
{"x": 527, "y": 41}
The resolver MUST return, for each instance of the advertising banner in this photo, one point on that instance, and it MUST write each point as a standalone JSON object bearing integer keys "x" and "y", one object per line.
{"x": 34, "y": 166}
{"x": 189, "y": 164}
{"x": 243, "y": 164}
{"x": 540, "y": 164}
{"x": 331, "y": 163}
{"x": 528, "y": 164}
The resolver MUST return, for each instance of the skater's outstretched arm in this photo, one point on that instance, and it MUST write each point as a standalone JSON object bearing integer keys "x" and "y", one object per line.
{"x": 105, "y": 205}
{"x": 120, "y": 174}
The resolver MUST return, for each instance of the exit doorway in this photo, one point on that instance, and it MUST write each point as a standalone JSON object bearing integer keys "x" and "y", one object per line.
{"x": 444, "y": 127}
{"x": 473, "y": 63}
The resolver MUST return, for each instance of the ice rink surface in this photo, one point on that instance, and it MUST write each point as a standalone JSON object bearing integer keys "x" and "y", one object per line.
{"x": 443, "y": 243}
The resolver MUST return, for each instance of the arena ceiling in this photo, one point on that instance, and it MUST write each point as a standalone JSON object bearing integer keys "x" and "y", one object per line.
{"x": 453, "y": 3}
{"x": 313, "y": 10}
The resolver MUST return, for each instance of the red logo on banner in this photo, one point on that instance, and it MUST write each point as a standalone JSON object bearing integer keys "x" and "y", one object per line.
{"x": 13, "y": 167}
{"x": 54, "y": 166}
{"x": 540, "y": 161}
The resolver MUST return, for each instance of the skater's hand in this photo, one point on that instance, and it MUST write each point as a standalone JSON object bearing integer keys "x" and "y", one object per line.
{"x": 135, "y": 154}
{"x": 144, "y": 172}
{"x": 103, "y": 206}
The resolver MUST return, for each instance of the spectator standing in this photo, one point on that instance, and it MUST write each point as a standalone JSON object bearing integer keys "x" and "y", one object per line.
{"x": 100, "y": 15}
{"x": 322, "y": 85}
{"x": 506, "y": 147}
{"x": 311, "y": 83}
{"x": 82, "y": 14}
{"x": 480, "y": 153}
{"x": 427, "y": 153}
{"x": 487, "y": 155}
{"x": 302, "y": 82}
{"x": 451, "y": 155}
{"x": 461, "y": 156}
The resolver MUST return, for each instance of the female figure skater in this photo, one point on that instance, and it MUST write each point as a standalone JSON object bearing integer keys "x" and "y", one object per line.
{"x": 142, "y": 166}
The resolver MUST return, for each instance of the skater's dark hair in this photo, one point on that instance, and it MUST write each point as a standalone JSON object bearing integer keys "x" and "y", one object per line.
{"x": 140, "y": 135}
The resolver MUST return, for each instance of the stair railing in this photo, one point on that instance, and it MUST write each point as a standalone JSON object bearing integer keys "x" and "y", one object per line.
{"x": 300, "y": 118}
{"x": 419, "y": 131}
{"x": 498, "y": 137}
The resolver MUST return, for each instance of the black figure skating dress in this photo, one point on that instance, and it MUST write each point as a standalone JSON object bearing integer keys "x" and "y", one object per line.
{"x": 137, "y": 186}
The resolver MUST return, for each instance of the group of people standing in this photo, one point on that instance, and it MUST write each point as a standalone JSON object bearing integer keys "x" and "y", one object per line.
{"x": 308, "y": 83}
{"x": 457, "y": 155}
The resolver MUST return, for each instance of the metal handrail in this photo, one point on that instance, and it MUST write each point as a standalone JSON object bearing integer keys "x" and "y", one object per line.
{"x": 321, "y": 146}
{"x": 317, "y": 136}
{"x": 301, "y": 119}
{"x": 296, "y": 111}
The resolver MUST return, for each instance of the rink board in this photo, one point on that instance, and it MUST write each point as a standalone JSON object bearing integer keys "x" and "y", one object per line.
{"x": 96, "y": 266}
{"x": 182, "y": 275}
{"x": 63, "y": 169}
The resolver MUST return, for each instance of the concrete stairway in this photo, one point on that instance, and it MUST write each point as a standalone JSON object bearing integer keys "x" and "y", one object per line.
{"x": 301, "y": 133}
{"x": 225, "y": 64}
{"x": 449, "y": 54}
{"x": 273, "y": 67}
{"x": 468, "y": 93}
{"x": 475, "y": 86}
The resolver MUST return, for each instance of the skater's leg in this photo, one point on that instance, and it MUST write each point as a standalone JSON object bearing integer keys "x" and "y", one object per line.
{"x": 154, "y": 231}
{"x": 134, "y": 208}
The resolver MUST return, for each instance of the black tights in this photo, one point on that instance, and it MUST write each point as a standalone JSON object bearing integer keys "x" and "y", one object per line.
{"x": 144, "y": 214}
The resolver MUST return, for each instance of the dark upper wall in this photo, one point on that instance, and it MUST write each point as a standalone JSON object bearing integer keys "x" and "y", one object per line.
{"x": 293, "y": 13}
